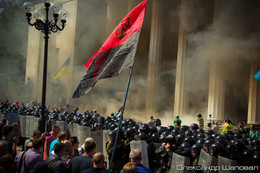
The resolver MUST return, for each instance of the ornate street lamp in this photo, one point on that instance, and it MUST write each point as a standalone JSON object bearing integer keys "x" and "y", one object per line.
{"x": 57, "y": 21}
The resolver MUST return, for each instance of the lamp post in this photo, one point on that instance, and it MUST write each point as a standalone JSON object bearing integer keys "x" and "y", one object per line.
{"x": 46, "y": 26}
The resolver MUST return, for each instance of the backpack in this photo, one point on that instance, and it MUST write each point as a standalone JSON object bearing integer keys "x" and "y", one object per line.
{"x": 51, "y": 163}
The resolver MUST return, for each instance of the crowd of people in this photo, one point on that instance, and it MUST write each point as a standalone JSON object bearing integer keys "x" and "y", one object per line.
{"x": 58, "y": 151}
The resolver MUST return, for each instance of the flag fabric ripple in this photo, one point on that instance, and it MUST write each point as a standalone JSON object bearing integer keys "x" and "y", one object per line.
{"x": 117, "y": 53}
{"x": 63, "y": 70}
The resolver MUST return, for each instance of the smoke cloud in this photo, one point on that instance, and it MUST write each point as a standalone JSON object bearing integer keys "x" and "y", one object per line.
{"x": 232, "y": 38}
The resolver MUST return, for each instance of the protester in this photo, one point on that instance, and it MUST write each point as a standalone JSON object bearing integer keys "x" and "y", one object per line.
{"x": 60, "y": 138}
{"x": 49, "y": 139}
{"x": 3, "y": 148}
{"x": 200, "y": 121}
{"x": 177, "y": 119}
{"x": 75, "y": 144}
{"x": 25, "y": 161}
{"x": 228, "y": 127}
{"x": 83, "y": 162}
{"x": 240, "y": 125}
{"x": 177, "y": 124}
{"x": 7, "y": 164}
{"x": 2, "y": 124}
{"x": 16, "y": 105}
{"x": 136, "y": 158}
{"x": 16, "y": 134}
{"x": 215, "y": 128}
{"x": 82, "y": 148}
{"x": 67, "y": 153}
{"x": 7, "y": 133}
{"x": 37, "y": 134}
{"x": 54, "y": 162}
{"x": 253, "y": 133}
{"x": 130, "y": 168}
{"x": 151, "y": 122}
{"x": 99, "y": 165}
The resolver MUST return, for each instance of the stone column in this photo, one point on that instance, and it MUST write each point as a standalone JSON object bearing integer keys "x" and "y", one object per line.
{"x": 254, "y": 98}
{"x": 216, "y": 82}
{"x": 181, "y": 99}
{"x": 154, "y": 57}
{"x": 33, "y": 61}
{"x": 216, "y": 92}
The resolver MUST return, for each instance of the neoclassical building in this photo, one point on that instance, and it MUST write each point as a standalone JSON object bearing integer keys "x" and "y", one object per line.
{"x": 193, "y": 56}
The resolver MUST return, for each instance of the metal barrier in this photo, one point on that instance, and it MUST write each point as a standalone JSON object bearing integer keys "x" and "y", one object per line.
{"x": 83, "y": 132}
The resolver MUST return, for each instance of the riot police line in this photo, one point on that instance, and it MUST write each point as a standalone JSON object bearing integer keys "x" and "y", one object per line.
{"x": 181, "y": 149}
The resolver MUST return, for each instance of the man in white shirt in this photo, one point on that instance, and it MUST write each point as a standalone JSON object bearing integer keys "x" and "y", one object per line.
{"x": 215, "y": 128}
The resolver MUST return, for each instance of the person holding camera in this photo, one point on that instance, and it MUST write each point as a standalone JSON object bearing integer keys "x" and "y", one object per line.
{"x": 200, "y": 120}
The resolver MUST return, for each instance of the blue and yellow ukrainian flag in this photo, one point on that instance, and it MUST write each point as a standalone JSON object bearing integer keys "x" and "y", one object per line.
{"x": 63, "y": 70}
{"x": 257, "y": 76}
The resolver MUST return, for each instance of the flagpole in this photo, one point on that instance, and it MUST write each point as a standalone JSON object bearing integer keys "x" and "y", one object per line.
{"x": 121, "y": 118}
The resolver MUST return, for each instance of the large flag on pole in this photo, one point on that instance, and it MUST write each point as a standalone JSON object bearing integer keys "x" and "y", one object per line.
{"x": 63, "y": 70}
{"x": 117, "y": 53}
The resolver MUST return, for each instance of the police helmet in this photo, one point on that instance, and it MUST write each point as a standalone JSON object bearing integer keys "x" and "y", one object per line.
{"x": 124, "y": 123}
{"x": 244, "y": 140}
{"x": 240, "y": 145}
{"x": 208, "y": 132}
{"x": 237, "y": 135}
{"x": 166, "y": 133}
{"x": 189, "y": 140}
{"x": 209, "y": 137}
{"x": 200, "y": 135}
{"x": 130, "y": 131}
{"x": 248, "y": 153}
{"x": 170, "y": 139}
{"x": 208, "y": 142}
{"x": 142, "y": 136}
{"x": 170, "y": 128}
{"x": 175, "y": 131}
{"x": 144, "y": 128}
{"x": 158, "y": 122}
{"x": 183, "y": 129}
{"x": 153, "y": 130}
{"x": 226, "y": 136}
{"x": 231, "y": 148}
{"x": 196, "y": 147}
{"x": 188, "y": 133}
{"x": 124, "y": 128}
{"x": 162, "y": 138}
{"x": 221, "y": 141}
{"x": 155, "y": 137}
{"x": 216, "y": 149}
{"x": 179, "y": 139}
{"x": 185, "y": 147}
{"x": 112, "y": 127}
{"x": 200, "y": 141}
{"x": 194, "y": 126}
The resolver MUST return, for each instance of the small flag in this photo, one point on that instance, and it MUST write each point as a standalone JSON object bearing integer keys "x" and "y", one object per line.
{"x": 63, "y": 70}
{"x": 257, "y": 76}
{"x": 117, "y": 53}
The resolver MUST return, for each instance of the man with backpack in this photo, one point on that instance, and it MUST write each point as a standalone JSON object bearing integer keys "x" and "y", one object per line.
{"x": 54, "y": 162}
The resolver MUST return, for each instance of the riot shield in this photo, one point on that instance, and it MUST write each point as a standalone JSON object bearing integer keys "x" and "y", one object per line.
{"x": 141, "y": 146}
{"x": 180, "y": 164}
{"x": 225, "y": 165}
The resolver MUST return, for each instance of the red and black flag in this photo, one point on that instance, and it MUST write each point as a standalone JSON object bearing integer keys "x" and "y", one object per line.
{"x": 117, "y": 53}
